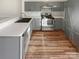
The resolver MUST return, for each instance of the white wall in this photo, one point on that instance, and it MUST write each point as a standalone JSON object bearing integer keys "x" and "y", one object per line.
{"x": 10, "y": 8}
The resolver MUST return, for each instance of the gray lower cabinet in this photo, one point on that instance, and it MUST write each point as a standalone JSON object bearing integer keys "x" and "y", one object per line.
{"x": 9, "y": 47}
{"x": 36, "y": 23}
{"x": 75, "y": 39}
{"x": 14, "y": 47}
{"x": 58, "y": 23}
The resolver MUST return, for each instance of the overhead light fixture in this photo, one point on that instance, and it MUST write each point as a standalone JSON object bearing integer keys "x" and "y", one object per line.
{"x": 54, "y": 6}
{"x": 47, "y": 0}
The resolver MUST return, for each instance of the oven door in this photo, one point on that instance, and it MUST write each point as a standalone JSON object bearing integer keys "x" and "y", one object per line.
{"x": 47, "y": 24}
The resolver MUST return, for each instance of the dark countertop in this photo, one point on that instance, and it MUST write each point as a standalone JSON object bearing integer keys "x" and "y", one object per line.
{"x": 23, "y": 20}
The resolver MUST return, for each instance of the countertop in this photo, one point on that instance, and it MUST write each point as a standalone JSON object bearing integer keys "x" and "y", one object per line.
{"x": 15, "y": 29}
{"x": 5, "y": 21}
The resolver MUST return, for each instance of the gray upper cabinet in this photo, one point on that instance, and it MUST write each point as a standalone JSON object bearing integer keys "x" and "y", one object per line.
{"x": 32, "y": 6}
{"x": 36, "y": 6}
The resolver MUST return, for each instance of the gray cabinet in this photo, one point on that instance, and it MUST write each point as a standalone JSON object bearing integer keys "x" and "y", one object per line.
{"x": 14, "y": 45}
{"x": 36, "y": 6}
{"x": 36, "y": 23}
{"x": 9, "y": 48}
{"x": 58, "y": 23}
{"x": 75, "y": 39}
{"x": 71, "y": 30}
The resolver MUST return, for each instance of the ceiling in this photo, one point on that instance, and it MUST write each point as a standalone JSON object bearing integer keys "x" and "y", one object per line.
{"x": 48, "y": 0}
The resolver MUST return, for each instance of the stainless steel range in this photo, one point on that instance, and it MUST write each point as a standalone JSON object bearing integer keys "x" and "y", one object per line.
{"x": 47, "y": 24}
{"x": 47, "y": 20}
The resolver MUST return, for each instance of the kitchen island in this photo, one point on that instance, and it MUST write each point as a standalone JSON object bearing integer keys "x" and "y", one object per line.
{"x": 14, "y": 40}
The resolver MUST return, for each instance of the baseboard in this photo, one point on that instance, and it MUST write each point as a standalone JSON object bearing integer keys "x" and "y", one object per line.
{"x": 50, "y": 30}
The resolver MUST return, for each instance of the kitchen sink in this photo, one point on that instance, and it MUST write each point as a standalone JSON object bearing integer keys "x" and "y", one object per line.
{"x": 23, "y": 20}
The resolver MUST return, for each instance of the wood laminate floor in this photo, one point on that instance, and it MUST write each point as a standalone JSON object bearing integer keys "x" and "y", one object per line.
{"x": 50, "y": 45}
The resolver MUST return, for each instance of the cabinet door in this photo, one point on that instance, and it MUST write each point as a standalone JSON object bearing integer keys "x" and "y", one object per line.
{"x": 36, "y": 23}
{"x": 25, "y": 42}
{"x": 33, "y": 24}
{"x": 58, "y": 23}
{"x": 9, "y": 48}
{"x": 31, "y": 27}
{"x": 75, "y": 39}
